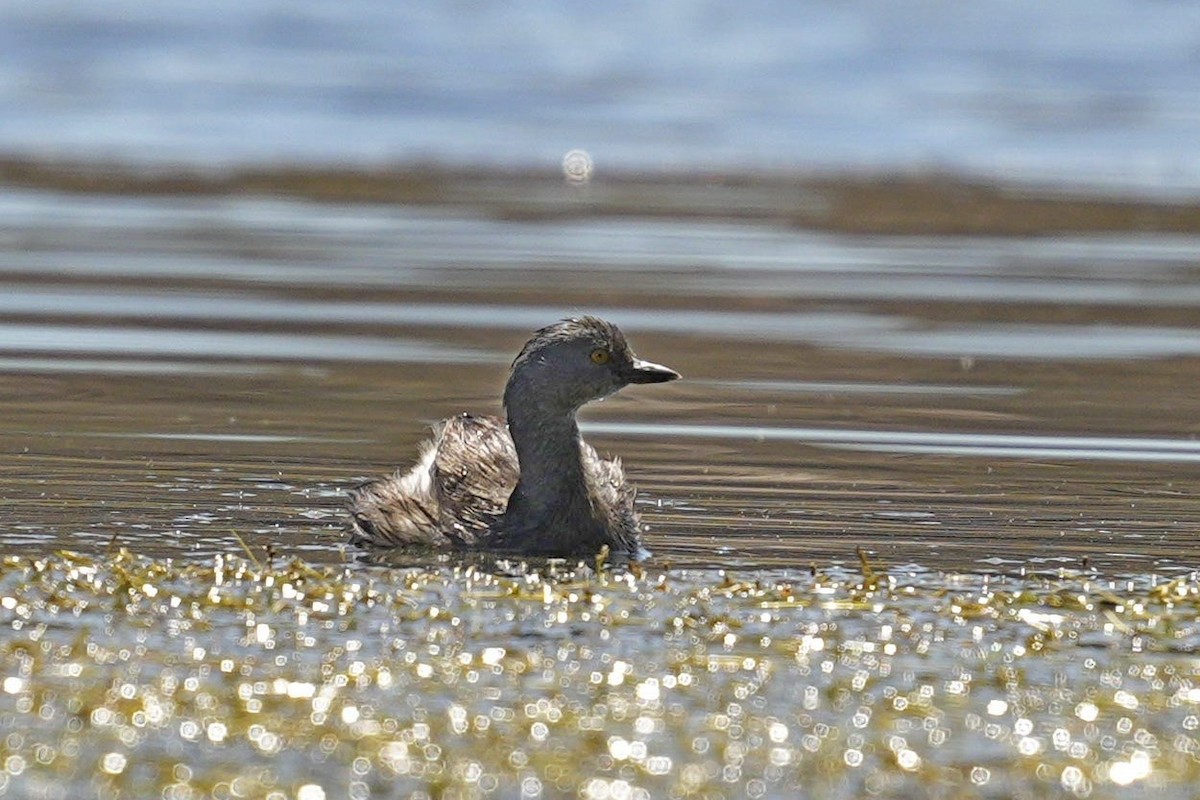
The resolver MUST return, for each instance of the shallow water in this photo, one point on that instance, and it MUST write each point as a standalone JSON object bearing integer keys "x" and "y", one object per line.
{"x": 953, "y": 480}
{"x": 182, "y": 373}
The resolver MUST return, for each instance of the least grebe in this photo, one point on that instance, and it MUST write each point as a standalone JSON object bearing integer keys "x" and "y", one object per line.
{"x": 532, "y": 486}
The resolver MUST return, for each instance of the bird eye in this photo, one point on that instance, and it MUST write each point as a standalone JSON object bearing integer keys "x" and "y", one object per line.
{"x": 600, "y": 356}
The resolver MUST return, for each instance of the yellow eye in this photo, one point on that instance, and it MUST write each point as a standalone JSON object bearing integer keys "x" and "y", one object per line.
{"x": 600, "y": 356}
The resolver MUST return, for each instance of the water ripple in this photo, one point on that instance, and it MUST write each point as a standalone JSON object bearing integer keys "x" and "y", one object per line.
{"x": 1109, "y": 448}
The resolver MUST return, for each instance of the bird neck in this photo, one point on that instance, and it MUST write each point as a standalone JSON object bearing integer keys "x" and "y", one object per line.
{"x": 548, "y": 453}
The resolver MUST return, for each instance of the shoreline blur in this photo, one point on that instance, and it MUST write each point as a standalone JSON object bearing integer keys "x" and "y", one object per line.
{"x": 909, "y": 203}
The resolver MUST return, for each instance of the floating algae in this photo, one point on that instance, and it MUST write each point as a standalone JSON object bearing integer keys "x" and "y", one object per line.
{"x": 132, "y": 677}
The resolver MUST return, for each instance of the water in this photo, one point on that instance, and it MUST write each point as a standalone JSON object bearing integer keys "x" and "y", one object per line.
{"x": 196, "y": 375}
{"x": 922, "y": 511}
{"x": 1074, "y": 93}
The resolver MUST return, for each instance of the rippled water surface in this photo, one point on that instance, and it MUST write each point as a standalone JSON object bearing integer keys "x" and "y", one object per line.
{"x": 923, "y": 511}
{"x": 183, "y": 373}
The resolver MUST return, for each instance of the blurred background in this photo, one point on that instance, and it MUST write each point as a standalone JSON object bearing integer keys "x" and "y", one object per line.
{"x": 251, "y": 250}
{"x": 1077, "y": 94}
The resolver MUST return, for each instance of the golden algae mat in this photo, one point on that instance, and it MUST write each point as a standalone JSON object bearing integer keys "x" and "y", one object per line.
{"x": 126, "y": 676}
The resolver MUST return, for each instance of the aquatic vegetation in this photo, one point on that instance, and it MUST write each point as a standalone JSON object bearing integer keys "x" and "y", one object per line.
{"x": 130, "y": 676}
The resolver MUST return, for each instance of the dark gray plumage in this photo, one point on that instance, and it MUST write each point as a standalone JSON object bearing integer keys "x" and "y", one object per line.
{"x": 532, "y": 486}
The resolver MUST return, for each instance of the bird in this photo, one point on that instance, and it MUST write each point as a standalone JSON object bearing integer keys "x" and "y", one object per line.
{"x": 528, "y": 484}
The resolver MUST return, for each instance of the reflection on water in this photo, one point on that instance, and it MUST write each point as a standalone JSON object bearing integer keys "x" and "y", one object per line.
{"x": 120, "y": 366}
{"x": 269, "y": 264}
{"x": 965, "y": 444}
{"x": 227, "y": 344}
{"x": 862, "y": 331}
{"x": 192, "y": 376}
{"x": 830, "y": 387}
